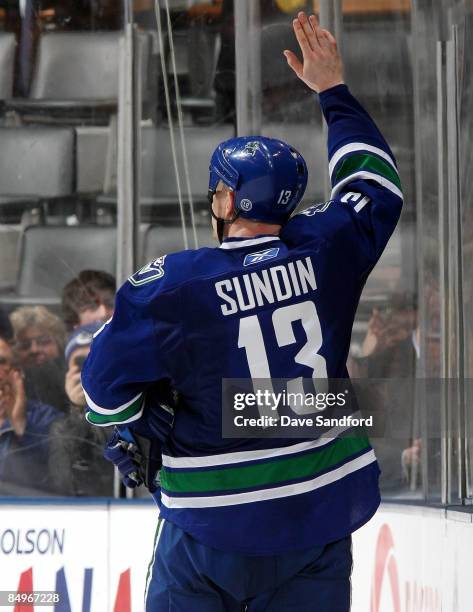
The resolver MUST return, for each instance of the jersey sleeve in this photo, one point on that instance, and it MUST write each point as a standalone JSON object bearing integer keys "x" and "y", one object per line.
{"x": 363, "y": 171}
{"x": 130, "y": 352}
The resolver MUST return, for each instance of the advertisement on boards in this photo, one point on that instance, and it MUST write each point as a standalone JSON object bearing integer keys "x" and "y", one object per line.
{"x": 96, "y": 557}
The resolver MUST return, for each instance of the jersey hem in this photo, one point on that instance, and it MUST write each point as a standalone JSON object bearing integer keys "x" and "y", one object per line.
{"x": 285, "y": 550}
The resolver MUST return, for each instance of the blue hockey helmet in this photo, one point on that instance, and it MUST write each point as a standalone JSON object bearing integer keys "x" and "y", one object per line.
{"x": 268, "y": 177}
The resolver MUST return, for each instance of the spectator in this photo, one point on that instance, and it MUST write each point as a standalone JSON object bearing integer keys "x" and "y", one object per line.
{"x": 77, "y": 349}
{"x": 24, "y": 428}
{"x": 76, "y": 462}
{"x": 39, "y": 335}
{"x": 87, "y": 298}
{"x": 390, "y": 352}
{"x": 390, "y": 348}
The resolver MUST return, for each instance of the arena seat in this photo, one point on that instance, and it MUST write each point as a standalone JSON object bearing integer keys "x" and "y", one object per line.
{"x": 91, "y": 157}
{"x": 180, "y": 42}
{"x": 50, "y": 256}
{"x": 7, "y": 58}
{"x": 36, "y": 166}
{"x": 158, "y": 181}
{"x": 202, "y": 56}
{"x": 77, "y": 66}
{"x": 76, "y": 75}
{"x": 196, "y": 52}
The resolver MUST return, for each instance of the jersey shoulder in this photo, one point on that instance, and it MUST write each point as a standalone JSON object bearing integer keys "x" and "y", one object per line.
{"x": 168, "y": 272}
{"x": 315, "y": 223}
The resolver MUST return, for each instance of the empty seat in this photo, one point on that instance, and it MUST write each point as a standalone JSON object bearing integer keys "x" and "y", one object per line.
{"x": 195, "y": 53}
{"x": 158, "y": 180}
{"x": 9, "y": 240}
{"x": 36, "y": 161}
{"x": 50, "y": 256}
{"x": 78, "y": 72}
{"x": 7, "y": 58}
{"x": 36, "y": 164}
{"x": 181, "y": 59}
{"x": 91, "y": 157}
{"x": 203, "y": 50}
{"x": 77, "y": 66}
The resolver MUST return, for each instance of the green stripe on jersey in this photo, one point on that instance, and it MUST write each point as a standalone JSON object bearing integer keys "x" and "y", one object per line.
{"x": 107, "y": 419}
{"x": 262, "y": 474}
{"x": 370, "y": 163}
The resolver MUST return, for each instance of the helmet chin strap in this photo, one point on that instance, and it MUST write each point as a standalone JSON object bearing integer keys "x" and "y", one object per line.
{"x": 221, "y": 223}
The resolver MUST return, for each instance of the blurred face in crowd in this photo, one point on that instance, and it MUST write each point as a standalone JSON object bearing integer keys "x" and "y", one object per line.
{"x": 35, "y": 346}
{"x": 100, "y": 309}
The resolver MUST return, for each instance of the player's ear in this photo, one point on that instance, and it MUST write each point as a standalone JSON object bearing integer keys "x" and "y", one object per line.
{"x": 229, "y": 204}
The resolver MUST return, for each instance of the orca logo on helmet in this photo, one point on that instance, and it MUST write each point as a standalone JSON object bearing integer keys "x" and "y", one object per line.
{"x": 252, "y": 147}
{"x": 246, "y": 205}
{"x": 385, "y": 563}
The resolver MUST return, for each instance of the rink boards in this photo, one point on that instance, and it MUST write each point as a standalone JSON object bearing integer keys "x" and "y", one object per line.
{"x": 96, "y": 554}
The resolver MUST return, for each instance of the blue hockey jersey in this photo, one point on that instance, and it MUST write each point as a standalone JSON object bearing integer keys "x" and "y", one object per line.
{"x": 258, "y": 307}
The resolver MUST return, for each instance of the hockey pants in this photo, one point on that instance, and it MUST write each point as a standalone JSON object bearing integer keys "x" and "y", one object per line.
{"x": 186, "y": 576}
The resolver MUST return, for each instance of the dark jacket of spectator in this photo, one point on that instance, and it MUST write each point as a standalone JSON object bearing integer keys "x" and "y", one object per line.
{"x": 76, "y": 463}
{"x": 397, "y": 361}
{"x": 24, "y": 459}
{"x": 396, "y": 405}
{"x": 45, "y": 383}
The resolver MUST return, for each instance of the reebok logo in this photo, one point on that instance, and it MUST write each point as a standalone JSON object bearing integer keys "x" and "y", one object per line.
{"x": 254, "y": 258}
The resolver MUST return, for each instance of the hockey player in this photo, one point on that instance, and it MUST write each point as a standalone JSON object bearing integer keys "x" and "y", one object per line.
{"x": 255, "y": 524}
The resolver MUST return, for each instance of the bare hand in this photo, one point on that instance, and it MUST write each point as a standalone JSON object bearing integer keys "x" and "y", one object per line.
{"x": 386, "y": 332}
{"x": 411, "y": 455}
{"x": 18, "y": 414}
{"x": 74, "y": 387}
{"x": 13, "y": 400}
{"x": 322, "y": 66}
{"x": 371, "y": 341}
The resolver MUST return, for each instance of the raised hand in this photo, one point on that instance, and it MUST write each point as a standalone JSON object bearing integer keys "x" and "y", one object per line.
{"x": 74, "y": 386}
{"x": 322, "y": 65}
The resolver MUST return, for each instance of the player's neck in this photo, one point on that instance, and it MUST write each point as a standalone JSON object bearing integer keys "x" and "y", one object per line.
{"x": 243, "y": 228}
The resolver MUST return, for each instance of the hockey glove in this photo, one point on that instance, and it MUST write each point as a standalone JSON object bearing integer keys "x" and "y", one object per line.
{"x": 123, "y": 452}
{"x": 135, "y": 449}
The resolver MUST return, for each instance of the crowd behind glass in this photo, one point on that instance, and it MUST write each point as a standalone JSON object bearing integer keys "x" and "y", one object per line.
{"x": 46, "y": 446}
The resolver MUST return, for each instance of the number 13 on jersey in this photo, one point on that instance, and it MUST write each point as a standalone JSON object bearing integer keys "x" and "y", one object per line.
{"x": 250, "y": 337}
